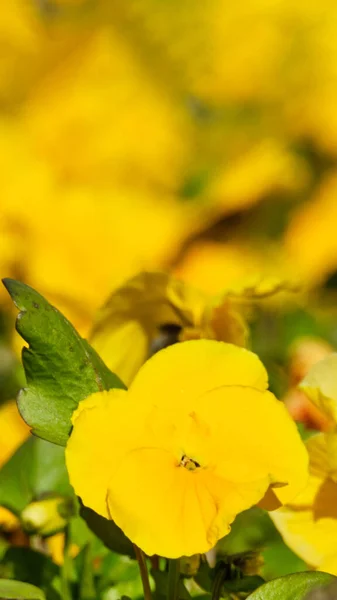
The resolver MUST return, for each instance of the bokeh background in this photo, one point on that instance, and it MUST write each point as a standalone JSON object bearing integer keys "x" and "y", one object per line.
{"x": 194, "y": 136}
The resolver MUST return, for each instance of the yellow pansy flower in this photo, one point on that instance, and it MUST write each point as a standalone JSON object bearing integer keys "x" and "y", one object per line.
{"x": 309, "y": 524}
{"x": 152, "y": 310}
{"x": 320, "y": 385}
{"x": 196, "y": 440}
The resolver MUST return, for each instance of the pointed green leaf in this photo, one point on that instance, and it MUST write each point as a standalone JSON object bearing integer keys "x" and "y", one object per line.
{"x": 16, "y": 590}
{"x": 292, "y": 587}
{"x": 61, "y": 367}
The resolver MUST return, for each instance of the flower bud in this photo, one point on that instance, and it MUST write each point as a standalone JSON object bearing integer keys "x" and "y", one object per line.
{"x": 47, "y": 517}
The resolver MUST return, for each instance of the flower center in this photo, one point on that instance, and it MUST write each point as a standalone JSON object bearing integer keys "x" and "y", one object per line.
{"x": 189, "y": 463}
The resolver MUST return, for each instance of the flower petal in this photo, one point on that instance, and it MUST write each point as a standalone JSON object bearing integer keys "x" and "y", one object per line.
{"x": 320, "y": 385}
{"x": 263, "y": 443}
{"x": 178, "y": 374}
{"x": 103, "y": 427}
{"x": 314, "y": 540}
{"x": 133, "y": 315}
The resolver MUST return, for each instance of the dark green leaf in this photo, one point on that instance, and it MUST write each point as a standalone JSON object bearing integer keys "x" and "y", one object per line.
{"x": 36, "y": 469}
{"x": 30, "y": 566}
{"x": 248, "y": 583}
{"x": 107, "y": 531}
{"x": 292, "y": 587}
{"x": 19, "y": 591}
{"x": 61, "y": 368}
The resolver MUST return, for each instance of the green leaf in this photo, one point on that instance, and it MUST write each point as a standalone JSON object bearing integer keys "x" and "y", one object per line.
{"x": 36, "y": 469}
{"x": 292, "y": 587}
{"x": 107, "y": 531}
{"x": 61, "y": 368}
{"x": 17, "y": 590}
{"x": 29, "y": 566}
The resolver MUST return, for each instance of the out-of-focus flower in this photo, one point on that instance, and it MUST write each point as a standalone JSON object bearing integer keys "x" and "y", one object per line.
{"x": 309, "y": 523}
{"x": 196, "y": 440}
{"x": 14, "y": 430}
{"x": 310, "y": 244}
{"x": 303, "y": 355}
{"x": 55, "y": 545}
{"x": 251, "y": 175}
{"x": 153, "y": 310}
{"x": 102, "y": 118}
{"x": 320, "y": 385}
{"x": 214, "y": 265}
{"x": 47, "y": 516}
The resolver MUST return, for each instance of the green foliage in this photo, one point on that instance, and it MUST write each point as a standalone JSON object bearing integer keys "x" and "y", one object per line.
{"x": 107, "y": 531}
{"x": 254, "y": 531}
{"x": 292, "y": 587}
{"x": 163, "y": 585}
{"x": 61, "y": 368}
{"x": 16, "y": 590}
{"x": 29, "y": 566}
{"x": 87, "y": 589}
{"x": 36, "y": 469}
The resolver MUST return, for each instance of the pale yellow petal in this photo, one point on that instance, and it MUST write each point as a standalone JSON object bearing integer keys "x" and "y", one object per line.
{"x": 134, "y": 314}
{"x": 314, "y": 540}
{"x": 320, "y": 385}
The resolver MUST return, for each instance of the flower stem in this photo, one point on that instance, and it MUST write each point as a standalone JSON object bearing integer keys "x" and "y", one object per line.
{"x": 143, "y": 572}
{"x": 173, "y": 580}
{"x": 66, "y": 567}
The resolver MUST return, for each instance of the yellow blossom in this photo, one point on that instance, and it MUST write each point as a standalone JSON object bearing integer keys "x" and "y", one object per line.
{"x": 310, "y": 244}
{"x": 195, "y": 440}
{"x": 212, "y": 264}
{"x": 309, "y": 524}
{"x": 320, "y": 385}
{"x": 152, "y": 310}
{"x": 14, "y": 430}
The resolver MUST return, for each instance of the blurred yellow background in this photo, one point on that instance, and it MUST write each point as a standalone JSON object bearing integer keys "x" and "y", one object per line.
{"x": 195, "y": 136}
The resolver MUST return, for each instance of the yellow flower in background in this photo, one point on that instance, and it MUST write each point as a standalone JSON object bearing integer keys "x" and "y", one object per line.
{"x": 211, "y": 265}
{"x": 320, "y": 385}
{"x": 102, "y": 118}
{"x": 195, "y": 440}
{"x": 154, "y": 309}
{"x": 309, "y": 524}
{"x": 310, "y": 244}
{"x": 13, "y": 430}
{"x": 303, "y": 354}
